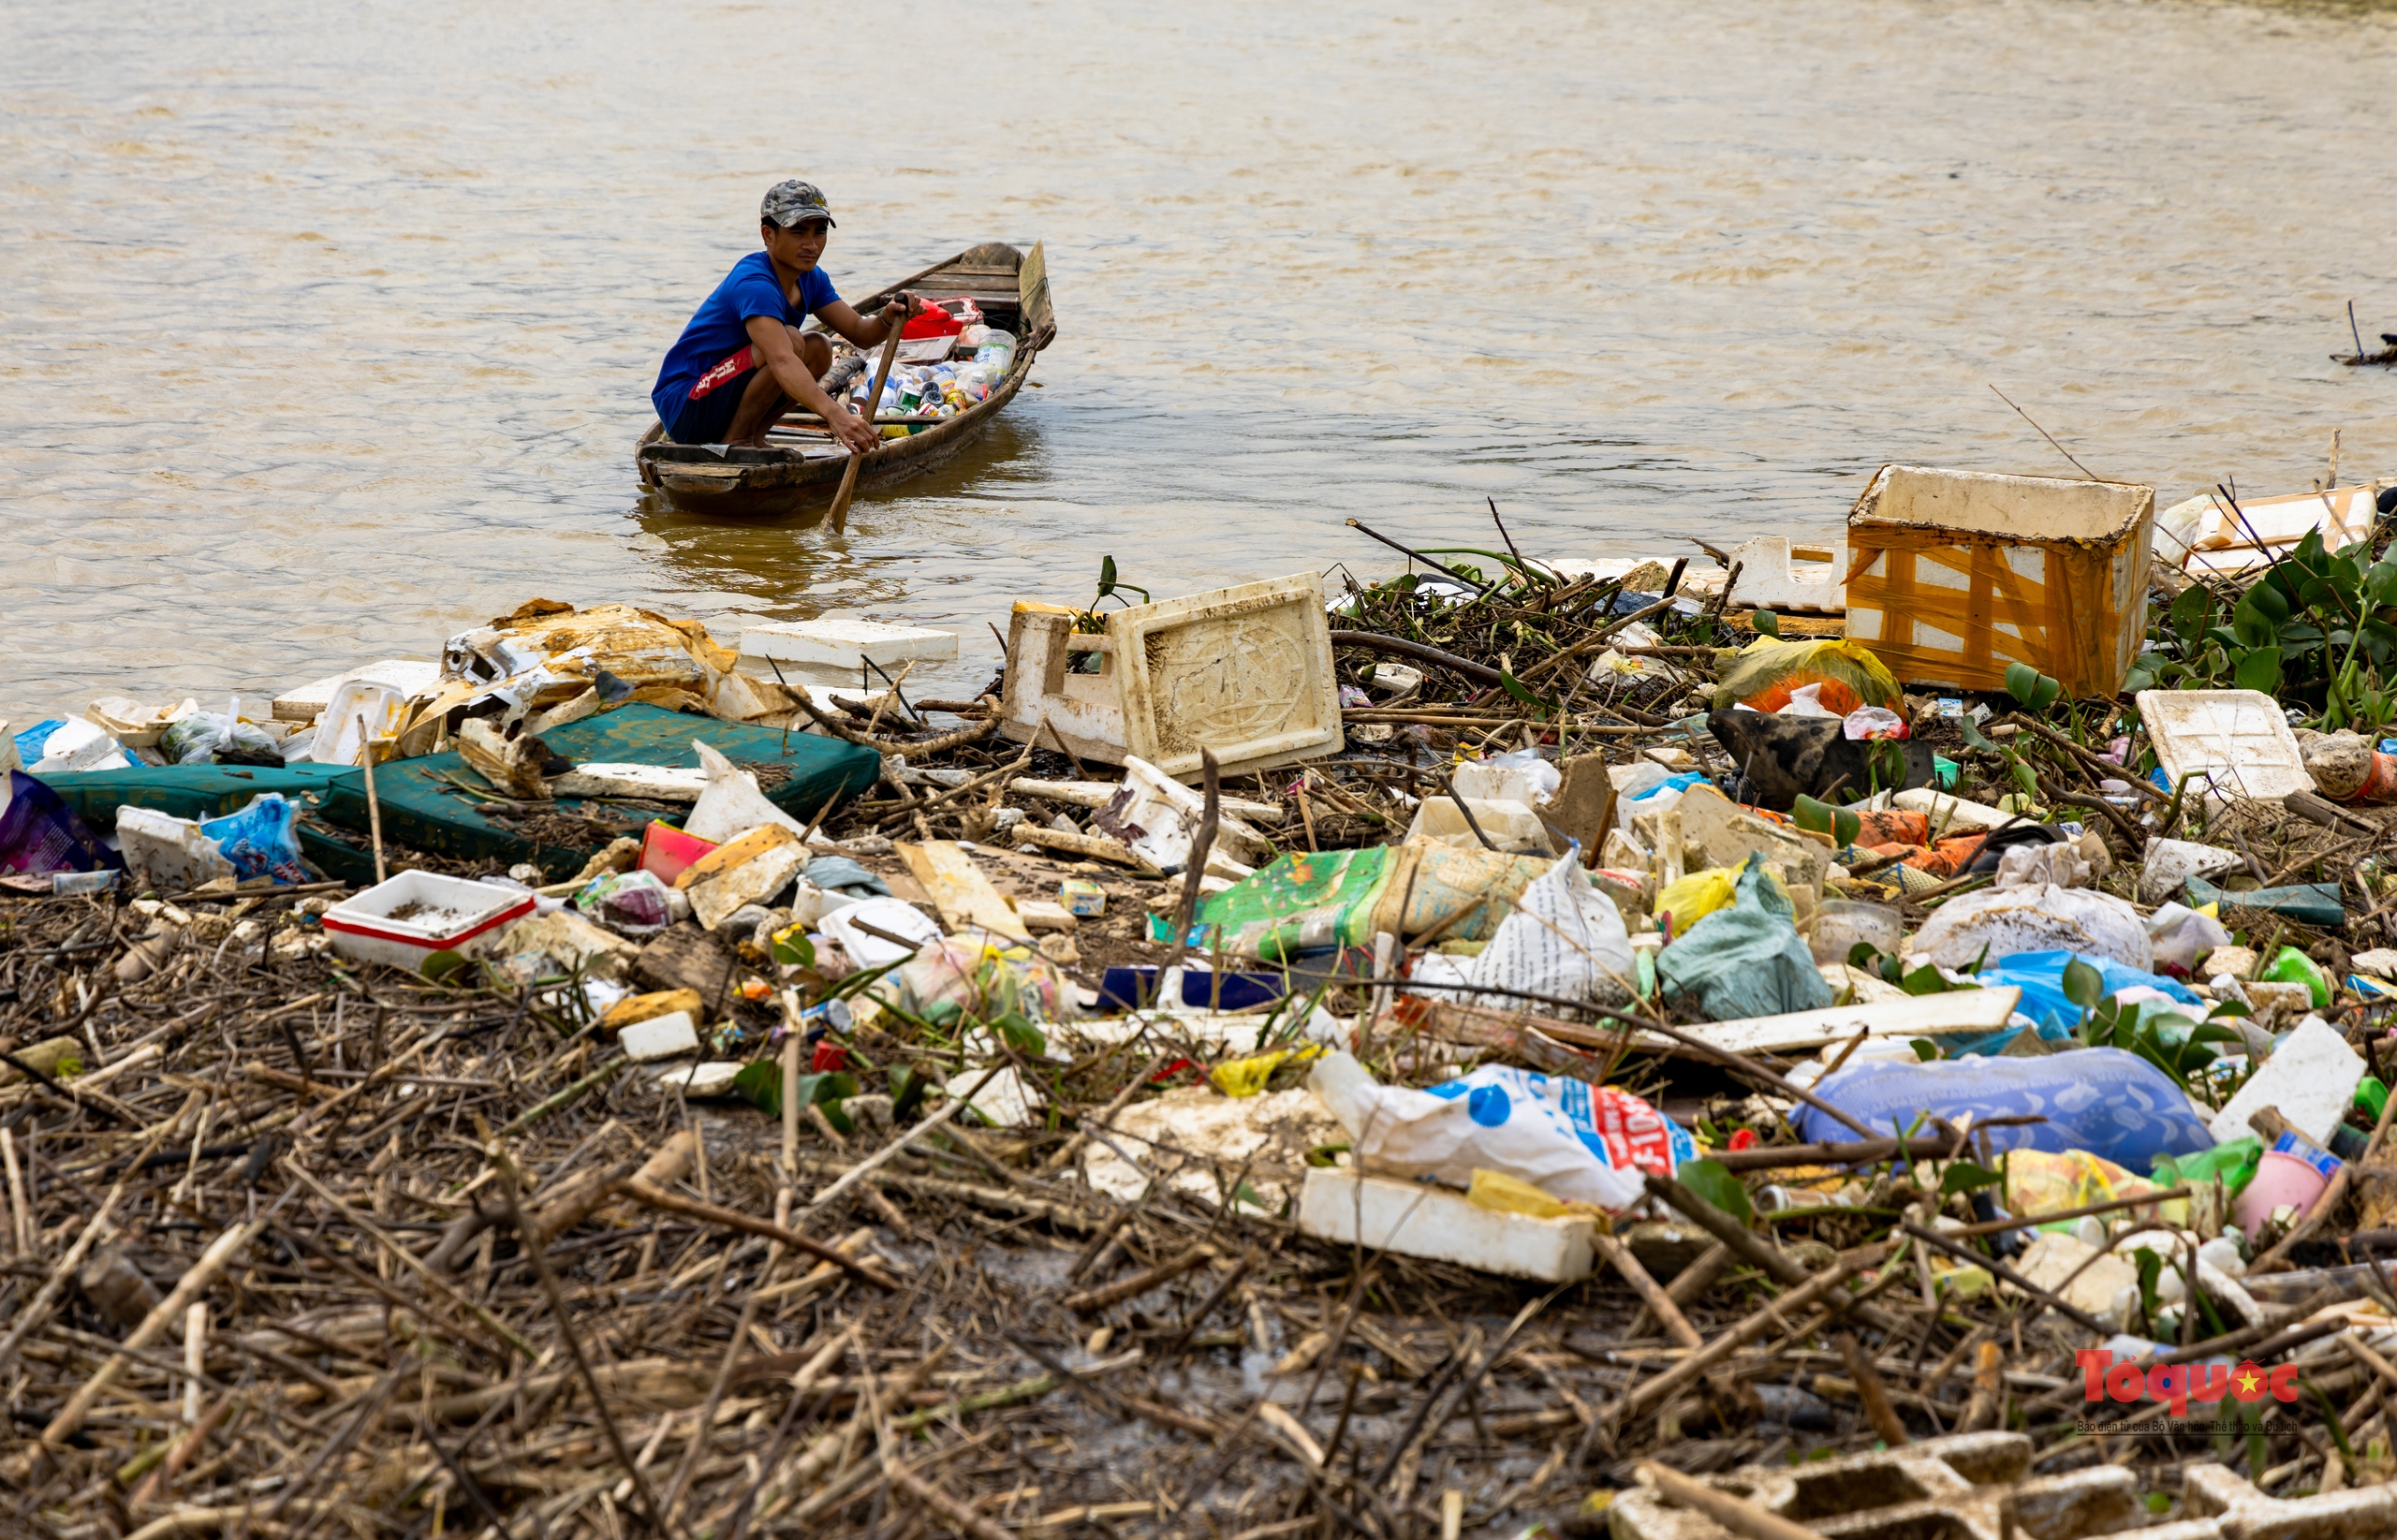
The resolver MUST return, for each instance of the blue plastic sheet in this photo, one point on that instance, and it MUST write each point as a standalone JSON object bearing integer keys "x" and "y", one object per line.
{"x": 30, "y": 741}
{"x": 2105, "y": 1101}
{"x": 2040, "y": 977}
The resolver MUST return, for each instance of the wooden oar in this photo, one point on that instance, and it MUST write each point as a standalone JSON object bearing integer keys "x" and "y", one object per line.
{"x": 872, "y": 409}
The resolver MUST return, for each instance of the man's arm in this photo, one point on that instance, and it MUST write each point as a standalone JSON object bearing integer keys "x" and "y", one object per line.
{"x": 864, "y": 332}
{"x": 772, "y": 338}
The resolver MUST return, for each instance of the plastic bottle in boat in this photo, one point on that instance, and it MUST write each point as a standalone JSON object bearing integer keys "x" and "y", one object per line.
{"x": 996, "y": 352}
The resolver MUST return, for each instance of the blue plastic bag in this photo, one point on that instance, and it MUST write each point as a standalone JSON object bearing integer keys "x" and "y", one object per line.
{"x": 2105, "y": 1101}
{"x": 260, "y": 839}
{"x": 2040, "y": 977}
{"x": 1675, "y": 784}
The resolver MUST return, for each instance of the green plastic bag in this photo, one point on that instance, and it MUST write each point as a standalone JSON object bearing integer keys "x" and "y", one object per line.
{"x": 2291, "y": 966}
{"x": 2235, "y": 1163}
{"x": 1746, "y": 960}
{"x": 1305, "y": 902}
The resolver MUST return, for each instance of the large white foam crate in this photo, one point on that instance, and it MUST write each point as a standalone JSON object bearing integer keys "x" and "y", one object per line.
{"x": 450, "y": 915}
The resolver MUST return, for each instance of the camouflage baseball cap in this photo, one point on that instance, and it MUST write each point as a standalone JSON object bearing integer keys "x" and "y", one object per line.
{"x": 789, "y": 202}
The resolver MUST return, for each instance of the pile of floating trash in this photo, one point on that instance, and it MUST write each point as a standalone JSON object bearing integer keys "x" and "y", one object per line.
{"x": 1533, "y": 1043}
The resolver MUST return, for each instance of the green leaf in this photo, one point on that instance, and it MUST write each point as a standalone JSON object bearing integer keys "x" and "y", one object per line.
{"x": 792, "y": 946}
{"x": 2033, "y": 688}
{"x": 1710, "y": 1180}
{"x": 2269, "y": 597}
{"x": 1823, "y": 819}
{"x": 1018, "y": 1033}
{"x": 1515, "y": 687}
{"x": 2380, "y": 583}
{"x": 760, "y": 1084}
{"x": 2150, "y": 1267}
{"x": 908, "y": 1087}
{"x": 1963, "y": 1176}
{"x": 441, "y": 964}
{"x": 2083, "y": 985}
{"x": 2191, "y": 614}
{"x": 1925, "y": 1051}
{"x": 1973, "y": 736}
{"x": 2250, "y": 625}
{"x": 2259, "y": 670}
{"x": 1106, "y": 576}
{"x": 1767, "y": 623}
{"x": 1928, "y": 980}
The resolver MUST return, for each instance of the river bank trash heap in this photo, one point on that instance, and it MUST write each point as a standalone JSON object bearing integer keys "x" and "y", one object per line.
{"x": 1510, "y": 1046}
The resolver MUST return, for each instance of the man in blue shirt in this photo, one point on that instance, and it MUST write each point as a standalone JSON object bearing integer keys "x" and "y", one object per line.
{"x": 742, "y": 360}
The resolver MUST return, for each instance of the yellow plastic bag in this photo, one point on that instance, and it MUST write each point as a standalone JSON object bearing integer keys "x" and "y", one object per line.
{"x": 1247, "y": 1077}
{"x": 1684, "y": 904}
{"x": 1700, "y": 893}
{"x": 1505, "y": 1194}
{"x": 2040, "y": 1182}
{"x": 1766, "y": 672}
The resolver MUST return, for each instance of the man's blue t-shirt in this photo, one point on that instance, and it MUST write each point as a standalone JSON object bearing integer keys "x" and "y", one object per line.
{"x": 719, "y": 327}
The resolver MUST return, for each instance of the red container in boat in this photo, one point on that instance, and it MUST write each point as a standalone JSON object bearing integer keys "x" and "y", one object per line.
{"x": 942, "y": 318}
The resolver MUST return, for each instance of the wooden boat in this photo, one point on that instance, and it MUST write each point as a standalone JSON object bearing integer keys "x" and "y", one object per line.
{"x": 800, "y": 464}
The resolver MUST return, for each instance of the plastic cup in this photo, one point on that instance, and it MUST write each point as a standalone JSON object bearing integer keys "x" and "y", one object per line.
{"x": 1841, "y": 923}
{"x": 2292, "y": 1172}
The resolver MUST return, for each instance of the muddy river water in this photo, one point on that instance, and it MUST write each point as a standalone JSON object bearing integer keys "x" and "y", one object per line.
{"x": 328, "y": 329}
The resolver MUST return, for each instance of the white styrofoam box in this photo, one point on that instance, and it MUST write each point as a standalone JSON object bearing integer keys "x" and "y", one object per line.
{"x": 2312, "y": 1078}
{"x": 1160, "y": 817}
{"x": 408, "y": 676}
{"x": 78, "y": 745}
{"x": 660, "y": 1038}
{"x": 1244, "y": 672}
{"x": 1417, "y": 1219}
{"x": 1510, "y": 826}
{"x": 713, "y": 1077}
{"x": 2240, "y": 740}
{"x": 1772, "y": 577}
{"x": 1955, "y": 574}
{"x": 835, "y": 642}
{"x": 360, "y": 711}
{"x": 1952, "y": 815}
{"x": 165, "y": 854}
{"x": 2201, "y": 535}
{"x": 443, "y": 914}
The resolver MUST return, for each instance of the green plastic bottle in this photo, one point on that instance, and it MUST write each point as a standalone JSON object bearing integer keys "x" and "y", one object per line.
{"x": 2235, "y": 1163}
{"x": 2291, "y": 966}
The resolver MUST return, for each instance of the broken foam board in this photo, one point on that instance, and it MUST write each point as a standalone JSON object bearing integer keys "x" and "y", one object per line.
{"x": 1775, "y": 574}
{"x": 407, "y": 676}
{"x": 1959, "y": 1011}
{"x": 833, "y": 643}
{"x": 1417, "y": 1219}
